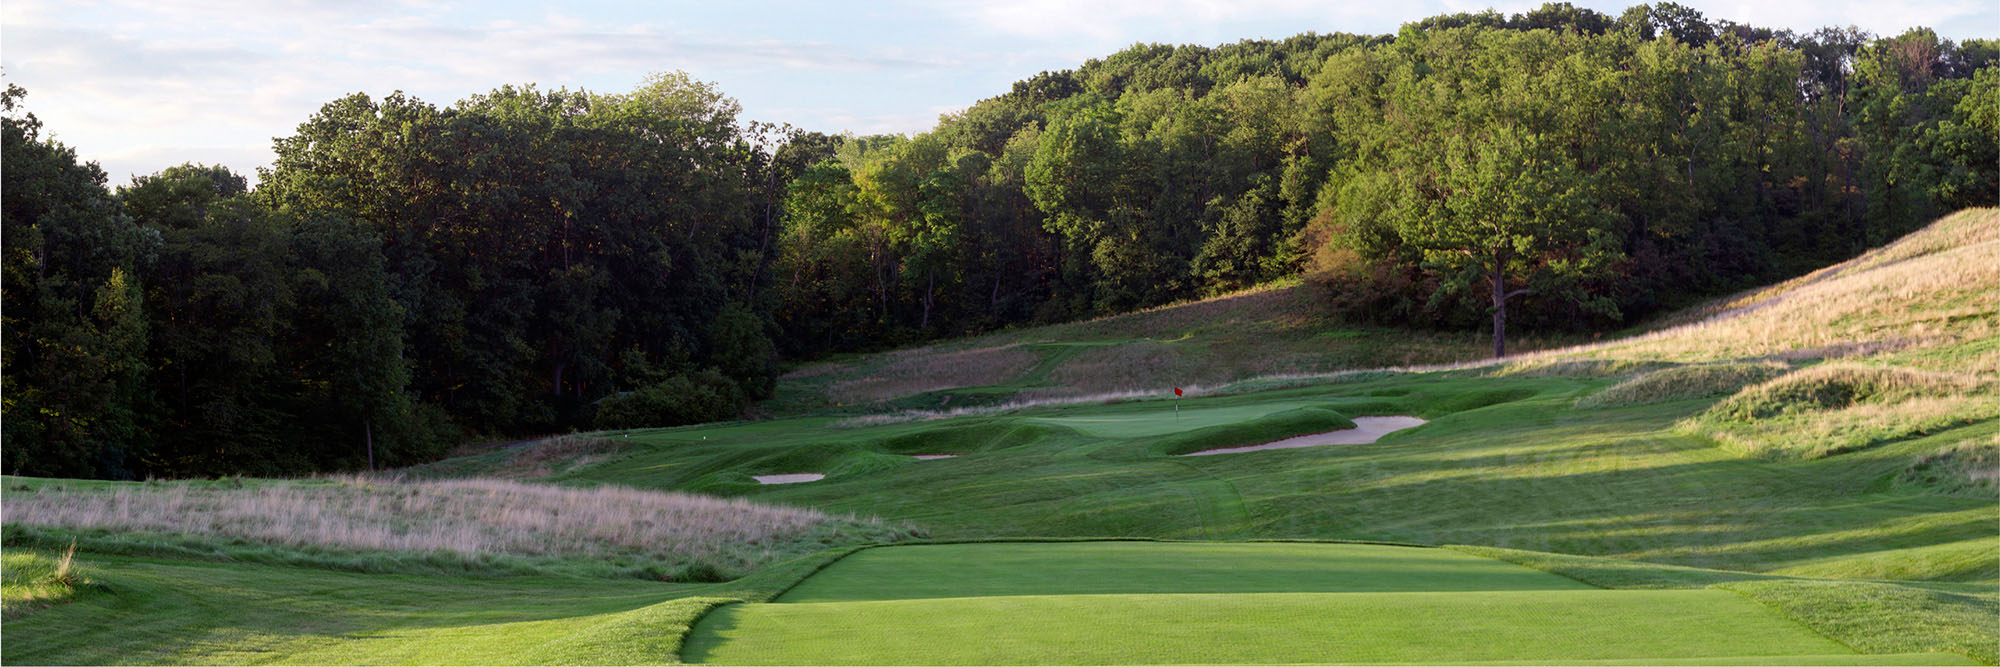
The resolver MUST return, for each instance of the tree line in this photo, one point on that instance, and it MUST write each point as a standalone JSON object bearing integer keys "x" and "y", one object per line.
{"x": 406, "y": 275}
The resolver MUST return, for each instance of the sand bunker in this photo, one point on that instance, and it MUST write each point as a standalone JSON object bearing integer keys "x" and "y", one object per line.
{"x": 932, "y": 457}
{"x": 1366, "y": 430}
{"x": 789, "y": 478}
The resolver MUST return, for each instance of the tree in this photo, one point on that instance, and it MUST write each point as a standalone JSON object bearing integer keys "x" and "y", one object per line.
{"x": 74, "y": 328}
{"x": 1503, "y": 205}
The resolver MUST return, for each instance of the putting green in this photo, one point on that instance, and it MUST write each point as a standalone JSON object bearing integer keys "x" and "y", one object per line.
{"x": 1072, "y": 603}
{"x": 1077, "y": 568}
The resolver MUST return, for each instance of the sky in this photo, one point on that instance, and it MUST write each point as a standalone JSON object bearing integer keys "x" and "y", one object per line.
{"x": 138, "y": 86}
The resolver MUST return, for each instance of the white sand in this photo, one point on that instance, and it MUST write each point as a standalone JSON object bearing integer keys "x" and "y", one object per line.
{"x": 932, "y": 457}
{"x": 791, "y": 478}
{"x": 1366, "y": 430}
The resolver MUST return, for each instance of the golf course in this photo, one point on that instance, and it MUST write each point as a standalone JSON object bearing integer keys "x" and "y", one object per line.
{"x": 1176, "y": 332}
{"x": 1594, "y": 505}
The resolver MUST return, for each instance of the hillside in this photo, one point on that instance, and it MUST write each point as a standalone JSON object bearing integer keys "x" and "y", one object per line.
{"x": 1926, "y": 301}
{"x": 1276, "y": 329}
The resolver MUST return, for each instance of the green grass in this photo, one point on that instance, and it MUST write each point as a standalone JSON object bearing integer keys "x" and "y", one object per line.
{"x": 1078, "y": 568}
{"x": 1260, "y": 628}
{"x": 35, "y": 579}
{"x": 1257, "y": 603}
{"x": 1505, "y": 462}
{"x": 1878, "y": 537}
{"x": 175, "y": 611}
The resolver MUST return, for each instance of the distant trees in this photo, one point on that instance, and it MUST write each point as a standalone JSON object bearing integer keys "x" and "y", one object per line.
{"x": 528, "y": 260}
{"x": 1668, "y": 156}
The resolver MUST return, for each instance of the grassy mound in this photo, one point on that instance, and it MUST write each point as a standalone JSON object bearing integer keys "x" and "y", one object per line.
{"x": 1841, "y": 407}
{"x": 1682, "y": 383}
{"x": 32, "y": 579}
{"x": 1972, "y": 466}
{"x": 1277, "y": 426}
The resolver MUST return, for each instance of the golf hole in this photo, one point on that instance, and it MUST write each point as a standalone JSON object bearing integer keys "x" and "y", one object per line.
{"x": 1366, "y": 430}
{"x": 789, "y": 478}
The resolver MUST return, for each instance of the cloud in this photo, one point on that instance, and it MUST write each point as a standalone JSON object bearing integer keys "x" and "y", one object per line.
{"x": 128, "y": 82}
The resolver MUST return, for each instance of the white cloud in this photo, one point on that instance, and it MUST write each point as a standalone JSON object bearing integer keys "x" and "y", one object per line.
{"x": 150, "y": 84}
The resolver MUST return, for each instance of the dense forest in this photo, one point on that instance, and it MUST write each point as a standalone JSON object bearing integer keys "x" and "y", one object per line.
{"x": 406, "y": 275}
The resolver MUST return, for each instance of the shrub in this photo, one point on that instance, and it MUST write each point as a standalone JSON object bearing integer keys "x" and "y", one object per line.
{"x": 693, "y": 398}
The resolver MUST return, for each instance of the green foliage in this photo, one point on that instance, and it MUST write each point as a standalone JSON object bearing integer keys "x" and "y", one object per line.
{"x": 75, "y": 327}
{"x": 703, "y": 396}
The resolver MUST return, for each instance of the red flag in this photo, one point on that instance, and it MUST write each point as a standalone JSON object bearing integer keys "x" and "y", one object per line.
{"x": 1177, "y": 391}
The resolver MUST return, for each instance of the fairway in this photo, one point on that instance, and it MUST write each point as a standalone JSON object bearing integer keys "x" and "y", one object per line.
{"x": 1256, "y": 603}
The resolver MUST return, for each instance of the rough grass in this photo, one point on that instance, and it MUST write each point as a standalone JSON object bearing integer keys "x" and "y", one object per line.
{"x": 1886, "y": 618}
{"x": 1683, "y": 383}
{"x": 1873, "y": 617}
{"x": 1268, "y": 330}
{"x": 655, "y": 534}
{"x": 535, "y": 459}
{"x": 1971, "y": 466}
{"x": 200, "y": 611}
{"x": 34, "y": 579}
{"x": 920, "y": 370}
{"x": 1841, "y": 407}
{"x": 1932, "y": 288}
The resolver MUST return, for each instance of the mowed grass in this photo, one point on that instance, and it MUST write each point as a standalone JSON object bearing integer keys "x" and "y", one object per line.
{"x": 1256, "y": 603}
{"x": 1260, "y": 628}
{"x": 1077, "y": 568}
{"x": 193, "y": 612}
{"x": 1504, "y": 462}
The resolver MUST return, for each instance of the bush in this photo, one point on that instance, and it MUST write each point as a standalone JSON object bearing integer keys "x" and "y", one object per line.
{"x": 693, "y": 398}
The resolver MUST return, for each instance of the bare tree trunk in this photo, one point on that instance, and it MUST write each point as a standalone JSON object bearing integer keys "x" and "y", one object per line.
{"x": 930, "y": 287}
{"x": 368, "y": 435}
{"x": 1499, "y": 314}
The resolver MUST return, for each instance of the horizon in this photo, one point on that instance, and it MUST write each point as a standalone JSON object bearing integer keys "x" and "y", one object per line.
{"x": 139, "y": 88}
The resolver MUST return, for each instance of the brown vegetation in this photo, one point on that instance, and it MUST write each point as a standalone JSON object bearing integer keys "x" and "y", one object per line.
{"x": 467, "y": 517}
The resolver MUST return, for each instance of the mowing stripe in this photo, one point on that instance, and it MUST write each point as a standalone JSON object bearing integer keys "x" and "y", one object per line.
{"x": 1075, "y": 568}
{"x": 1266, "y": 628}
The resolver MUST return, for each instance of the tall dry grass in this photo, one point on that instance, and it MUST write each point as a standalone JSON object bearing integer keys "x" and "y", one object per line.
{"x": 920, "y": 370}
{"x": 472, "y": 518}
{"x": 1840, "y": 407}
{"x": 1682, "y": 382}
{"x": 1935, "y": 287}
